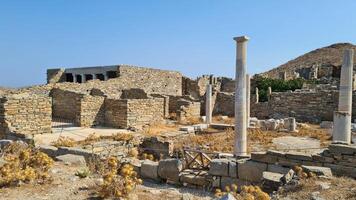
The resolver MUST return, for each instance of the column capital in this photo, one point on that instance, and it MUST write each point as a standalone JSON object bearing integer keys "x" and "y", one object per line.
{"x": 241, "y": 38}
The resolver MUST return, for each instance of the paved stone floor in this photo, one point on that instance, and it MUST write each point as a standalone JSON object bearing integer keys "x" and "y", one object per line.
{"x": 303, "y": 144}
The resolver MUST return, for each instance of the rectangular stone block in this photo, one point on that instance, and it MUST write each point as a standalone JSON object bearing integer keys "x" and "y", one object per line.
{"x": 233, "y": 169}
{"x": 149, "y": 170}
{"x": 264, "y": 157}
{"x": 219, "y": 167}
{"x": 342, "y": 149}
{"x": 299, "y": 156}
{"x": 276, "y": 153}
{"x": 251, "y": 171}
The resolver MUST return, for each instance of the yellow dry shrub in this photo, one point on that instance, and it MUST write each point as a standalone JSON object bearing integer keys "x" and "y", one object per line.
{"x": 118, "y": 185}
{"x": 64, "y": 142}
{"x": 126, "y": 137}
{"x": 133, "y": 152}
{"x": 27, "y": 165}
{"x": 90, "y": 139}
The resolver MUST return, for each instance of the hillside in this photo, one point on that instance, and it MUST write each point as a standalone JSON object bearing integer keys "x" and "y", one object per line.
{"x": 326, "y": 56}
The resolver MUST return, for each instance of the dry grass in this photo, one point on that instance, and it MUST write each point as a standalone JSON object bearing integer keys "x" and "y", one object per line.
{"x": 223, "y": 120}
{"x": 64, "y": 142}
{"x": 222, "y": 141}
{"x": 158, "y": 129}
{"x": 340, "y": 188}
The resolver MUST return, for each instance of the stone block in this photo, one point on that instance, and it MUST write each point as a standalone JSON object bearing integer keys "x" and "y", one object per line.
{"x": 251, "y": 171}
{"x": 188, "y": 129}
{"x": 169, "y": 169}
{"x": 149, "y": 170}
{"x": 271, "y": 181}
{"x": 233, "y": 169}
{"x": 326, "y": 124}
{"x": 193, "y": 179}
{"x": 277, "y": 169}
{"x": 299, "y": 156}
{"x": 264, "y": 157}
{"x": 219, "y": 167}
{"x": 342, "y": 149}
{"x": 278, "y": 154}
{"x": 319, "y": 171}
{"x": 72, "y": 159}
{"x": 288, "y": 162}
{"x": 156, "y": 146}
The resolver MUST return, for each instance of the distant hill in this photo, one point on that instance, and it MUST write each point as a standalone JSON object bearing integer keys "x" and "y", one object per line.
{"x": 326, "y": 56}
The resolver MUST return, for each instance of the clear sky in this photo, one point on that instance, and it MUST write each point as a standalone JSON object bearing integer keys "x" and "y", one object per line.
{"x": 190, "y": 36}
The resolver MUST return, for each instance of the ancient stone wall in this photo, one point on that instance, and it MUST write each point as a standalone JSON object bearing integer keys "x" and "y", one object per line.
{"x": 224, "y": 104}
{"x": 92, "y": 111}
{"x": 25, "y": 114}
{"x": 116, "y": 113}
{"x": 143, "y": 112}
{"x": 66, "y": 105}
{"x": 188, "y": 110}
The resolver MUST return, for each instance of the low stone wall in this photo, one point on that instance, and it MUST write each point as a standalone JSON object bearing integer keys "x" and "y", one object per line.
{"x": 339, "y": 158}
{"x": 92, "y": 111}
{"x": 25, "y": 115}
{"x": 116, "y": 113}
{"x": 224, "y": 104}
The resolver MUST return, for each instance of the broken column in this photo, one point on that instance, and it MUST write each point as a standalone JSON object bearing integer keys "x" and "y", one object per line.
{"x": 240, "y": 143}
{"x": 342, "y": 117}
{"x": 248, "y": 96}
{"x": 208, "y": 102}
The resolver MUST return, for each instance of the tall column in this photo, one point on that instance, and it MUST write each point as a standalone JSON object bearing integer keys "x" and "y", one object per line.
{"x": 257, "y": 95}
{"x": 342, "y": 117}
{"x": 208, "y": 104}
{"x": 106, "y": 76}
{"x": 94, "y": 76}
{"x": 248, "y": 97}
{"x": 240, "y": 143}
{"x": 74, "y": 78}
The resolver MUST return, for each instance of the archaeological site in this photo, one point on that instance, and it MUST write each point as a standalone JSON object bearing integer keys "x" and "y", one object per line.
{"x": 124, "y": 131}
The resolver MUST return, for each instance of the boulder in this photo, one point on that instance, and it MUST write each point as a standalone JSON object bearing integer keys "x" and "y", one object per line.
{"x": 251, "y": 170}
{"x": 319, "y": 171}
{"x": 169, "y": 169}
{"x": 149, "y": 170}
{"x": 72, "y": 159}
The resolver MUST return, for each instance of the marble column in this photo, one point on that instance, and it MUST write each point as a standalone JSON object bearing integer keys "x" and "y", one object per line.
{"x": 257, "y": 95}
{"x": 208, "y": 104}
{"x": 248, "y": 97}
{"x": 106, "y": 76}
{"x": 240, "y": 143}
{"x": 342, "y": 117}
{"x": 74, "y": 78}
{"x": 94, "y": 76}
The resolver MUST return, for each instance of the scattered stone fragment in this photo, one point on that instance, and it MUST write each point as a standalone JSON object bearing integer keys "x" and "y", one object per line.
{"x": 272, "y": 181}
{"x": 149, "y": 170}
{"x": 169, "y": 169}
{"x": 219, "y": 167}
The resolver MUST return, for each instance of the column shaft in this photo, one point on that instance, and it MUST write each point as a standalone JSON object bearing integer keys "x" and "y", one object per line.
{"x": 248, "y": 97}
{"x": 208, "y": 104}
{"x": 240, "y": 144}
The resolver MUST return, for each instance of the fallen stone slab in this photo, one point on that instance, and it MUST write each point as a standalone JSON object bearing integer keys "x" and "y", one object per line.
{"x": 342, "y": 149}
{"x": 251, "y": 171}
{"x": 219, "y": 167}
{"x": 198, "y": 179}
{"x": 72, "y": 159}
{"x": 319, "y": 171}
{"x": 188, "y": 129}
{"x": 149, "y": 170}
{"x": 271, "y": 181}
{"x": 169, "y": 169}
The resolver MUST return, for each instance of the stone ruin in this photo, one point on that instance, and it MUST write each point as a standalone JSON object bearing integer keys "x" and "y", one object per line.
{"x": 130, "y": 97}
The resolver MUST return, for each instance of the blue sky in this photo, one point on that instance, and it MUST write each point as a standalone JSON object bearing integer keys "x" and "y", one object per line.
{"x": 190, "y": 36}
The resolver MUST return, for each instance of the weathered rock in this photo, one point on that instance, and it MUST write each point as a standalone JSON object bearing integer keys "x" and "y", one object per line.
{"x": 299, "y": 156}
{"x": 149, "y": 170}
{"x": 219, "y": 167}
{"x": 251, "y": 171}
{"x": 72, "y": 159}
{"x": 287, "y": 177}
{"x": 319, "y": 171}
{"x": 169, "y": 169}
{"x": 233, "y": 169}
